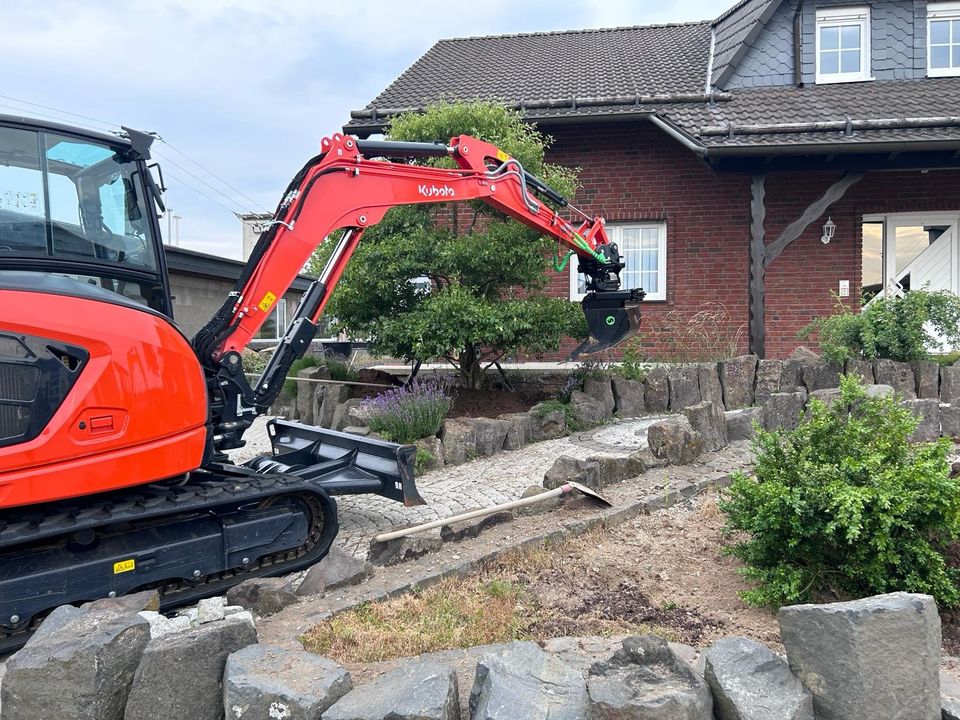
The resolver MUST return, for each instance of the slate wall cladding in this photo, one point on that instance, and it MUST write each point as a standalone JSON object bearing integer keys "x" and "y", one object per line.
{"x": 769, "y": 59}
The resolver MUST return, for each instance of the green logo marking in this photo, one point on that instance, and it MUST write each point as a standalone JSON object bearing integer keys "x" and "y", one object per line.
{"x": 611, "y": 319}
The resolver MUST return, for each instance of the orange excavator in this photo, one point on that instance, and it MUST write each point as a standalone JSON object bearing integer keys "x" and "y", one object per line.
{"x": 115, "y": 427}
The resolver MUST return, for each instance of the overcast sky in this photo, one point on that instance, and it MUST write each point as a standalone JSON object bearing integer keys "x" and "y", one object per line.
{"x": 245, "y": 88}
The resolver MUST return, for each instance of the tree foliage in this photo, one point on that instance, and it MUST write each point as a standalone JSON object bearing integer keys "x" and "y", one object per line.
{"x": 845, "y": 504}
{"x": 479, "y": 296}
{"x": 897, "y": 328}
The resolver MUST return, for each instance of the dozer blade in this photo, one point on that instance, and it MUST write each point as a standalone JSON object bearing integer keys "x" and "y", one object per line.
{"x": 612, "y": 317}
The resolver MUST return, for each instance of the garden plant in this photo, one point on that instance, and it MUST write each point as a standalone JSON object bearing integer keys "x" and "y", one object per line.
{"x": 407, "y": 414}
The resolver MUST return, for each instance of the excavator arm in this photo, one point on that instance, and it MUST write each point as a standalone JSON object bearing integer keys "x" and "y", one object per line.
{"x": 350, "y": 186}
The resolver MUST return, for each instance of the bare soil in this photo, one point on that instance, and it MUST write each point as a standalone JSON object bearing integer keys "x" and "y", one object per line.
{"x": 488, "y": 403}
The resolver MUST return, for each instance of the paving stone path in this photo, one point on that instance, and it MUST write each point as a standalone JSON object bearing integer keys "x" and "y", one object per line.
{"x": 459, "y": 488}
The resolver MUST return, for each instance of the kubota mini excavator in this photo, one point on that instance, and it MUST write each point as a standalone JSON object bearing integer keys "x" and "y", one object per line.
{"x": 114, "y": 427}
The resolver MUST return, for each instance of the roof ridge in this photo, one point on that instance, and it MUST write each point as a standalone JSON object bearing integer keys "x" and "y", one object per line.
{"x": 581, "y": 31}
{"x": 728, "y": 12}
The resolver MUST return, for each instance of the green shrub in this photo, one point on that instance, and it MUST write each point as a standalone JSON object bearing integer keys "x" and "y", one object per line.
{"x": 846, "y": 504}
{"x": 634, "y": 365}
{"x": 340, "y": 369}
{"x": 892, "y": 328}
{"x": 307, "y": 361}
{"x": 406, "y": 414}
{"x": 423, "y": 457}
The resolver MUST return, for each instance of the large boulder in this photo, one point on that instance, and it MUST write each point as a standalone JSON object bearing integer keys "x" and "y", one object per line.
{"x": 862, "y": 369}
{"x": 459, "y": 440}
{"x": 656, "y": 394}
{"x": 264, "y": 596}
{"x": 338, "y": 569}
{"x": 950, "y": 421}
{"x": 307, "y": 391}
{"x": 769, "y": 373}
{"x": 926, "y": 373}
{"x": 784, "y": 410}
{"x": 547, "y": 422}
{"x": 566, "y": 469}
{"x": 401, "y": 549}
{"x": 708, "y": 420}
{"x": 628, "y": 396}
{"x": 740, "y": 423}
{"x": 587, "y": 410}
{"x": 896, "y": 374}
{"x": 820, "y": 375}
{"x": 520, "y": 680}
{"x": 519, "y": 432}
{"x": 645, "y": 680}
{"x": 950, "y": 384}
{"x": 414, "y": 691}
{"x": 949, "y": 696}
{"x": 737, "y": 376}
{"x": 341, "y": 414}
{"x": 750, "y": 682}
{"x": 333, "y": 397}
{"x": 847, "y": 655}
{"x": 791, "y": 375}
{"x": 601, "y": 390}
{"x": 684, "y": 384}
{"x": 675, "y": 441}
{"x": 709, "y": 381}
{"x": 182, "y": 673}
{"x": 927, "y": 411}
{"x": 80, "y": 667}
{"x": 490, "y": 435}
{"x": 262, "y": 682}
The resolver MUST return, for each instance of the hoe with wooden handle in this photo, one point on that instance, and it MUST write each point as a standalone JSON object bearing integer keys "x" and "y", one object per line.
{"x": 523, "y": 502}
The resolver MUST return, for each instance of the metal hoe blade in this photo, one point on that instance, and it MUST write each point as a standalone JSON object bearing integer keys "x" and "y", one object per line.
{"x": 612, "y": 317}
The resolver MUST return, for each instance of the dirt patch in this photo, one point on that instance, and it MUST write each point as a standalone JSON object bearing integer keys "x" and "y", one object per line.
{"x": 488, "y": 403}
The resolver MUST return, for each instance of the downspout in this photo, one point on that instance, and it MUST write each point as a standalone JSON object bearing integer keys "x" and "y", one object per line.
{"x": 798, "y": 45}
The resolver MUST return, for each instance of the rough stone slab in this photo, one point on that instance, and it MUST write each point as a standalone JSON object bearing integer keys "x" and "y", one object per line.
{"x": 614, "y": 469}
{"x": 566, "y": 469}
{"x": 434, "y": 447}
{"x": 406, "y": 548}
{"x": 769, "y": 373}
{"x": 675, "y": 440}
{"x": 262, "y": 682}
{"x": 927, "y": 411}
{"x": 547, "y": 424}
{"x": 820, "y": 375}
{"x": 333, "y": 397}
{"x": 927, "y": 376}
{"x": 828, "y": 396}
{"x": 708, "y": 420}
{"x": 264, "y": 596}
{"x": 182, "y": 673}
{"x": 740, "y": 423}
{"x": 804, "y": 354}
{"x": 784, "y": 410}
{"x": 357, "y": 430}
{"x": 421, "y": 690}
{"x": 338, "y": 569}
{"x": 341, "y": 414}
{"x": 709, "y": 381}
{"x": 459, "y": 440}
{"x": 791, "y": 377}
{"x": 950, "y": 384}
{"x": 645, "y": 680}
{"x": 522, "y": 681}
{"x": 896, "y": 374}
{"x": 684, "y": 384}
{"x": 490, "y": 435}
{"x": 656, "y": 394}
{"x": 949, "y": 697}
{"x": 537, "y": 508}
{"x": 472, "y": 528}
{"x": 750, "y": 682}
{"x": 520, "y": 432}
{"x": 357, "y": 416}
{"x": 601, "y": 390}
{"x": 628, "y": 397}
{"x": 737, "y": 377}
{"x": 589, "y": 411}
{"x": 862, "y": 369}
{"x": 210, "y": 610}
{"x": 307, "y": 392}
{"x": 82, "y": 668}
{"x": 880, "y": 391}
{"x": 950, "y": 421}
{"x": 134, "y": 602}
{"x": 846, "y": 654}
{"x": 59, "y": 617}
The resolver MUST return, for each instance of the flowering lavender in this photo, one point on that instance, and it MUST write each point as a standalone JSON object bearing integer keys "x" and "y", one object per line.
{"x": 409, "y": 413}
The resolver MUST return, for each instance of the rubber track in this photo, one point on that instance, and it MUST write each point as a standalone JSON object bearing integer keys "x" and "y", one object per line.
{"x": 204, "y": 491}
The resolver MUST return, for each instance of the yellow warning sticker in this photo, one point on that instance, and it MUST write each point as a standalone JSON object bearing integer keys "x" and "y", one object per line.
{"x": 268, "y": 300}
{"x": 502, "y": 156}
{"x": 124, "y": 566}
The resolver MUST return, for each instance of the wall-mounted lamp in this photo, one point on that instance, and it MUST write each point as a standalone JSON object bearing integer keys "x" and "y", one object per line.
{"x": 829, "y": 228}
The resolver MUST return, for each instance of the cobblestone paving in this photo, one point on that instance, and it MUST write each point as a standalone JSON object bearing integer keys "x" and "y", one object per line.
{"x": 459, "y": 488}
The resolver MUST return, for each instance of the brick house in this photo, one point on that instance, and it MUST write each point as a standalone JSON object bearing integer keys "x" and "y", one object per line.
{"x": 718, "y": 150}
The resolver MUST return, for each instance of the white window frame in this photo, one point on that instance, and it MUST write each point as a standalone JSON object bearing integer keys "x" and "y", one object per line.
{"x": 615, "y": 233}
{"x": 836, "y": 17}
{"x": 280, "y": 309}
{"x": 942, "y": 11}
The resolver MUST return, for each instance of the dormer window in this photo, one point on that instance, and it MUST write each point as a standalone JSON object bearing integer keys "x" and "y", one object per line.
{"x": 843, "y": 44}
{"x": 943, "y": 33}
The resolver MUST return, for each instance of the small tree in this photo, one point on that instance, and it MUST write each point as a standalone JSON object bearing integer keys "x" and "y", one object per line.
{"x": 465, "y": 288}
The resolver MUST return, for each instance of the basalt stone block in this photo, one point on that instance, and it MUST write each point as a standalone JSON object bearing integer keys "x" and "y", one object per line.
{"x": 601, "y": 390}
{"x": 490, "y": 435}
{"x": 307, "y": 390}
{"x": 709, "y": 380}
{"x": 847, "y": 655}
{"x": 628, "y": 396}
{"x": 820, "y": 375}
{"x": 950, "y": 421}
{"x": 769, "y": 373}
{"x": 333, "y": 397}
{"x": 862, "y": 369}
{"x": 589, "y": 411}
{"x": 675, "y": 441}
{"x": 927, "y": 376}
{"x": 656, "y": 395}
{"x": 520, "y": 432}
{"x": 546, "y": 424}
{"x": 341, "y": 414}
{"x": 708, "y": 420}
{"x": 414, "y": 691}
{"x": 791, "y": 375}
{"x": 950, "y": 384}
{"x": 264, "y": 596}
{"x": 459, "y": 440}
{"x": 927, "y": 411}
{"x": 684, "y": 385}
{"x": 338, "y": 569}
{"x": 566, "y": 469}
{"x": 784, "y": 410}
{"x": 896, "y": 374}
{"x": 740, "y": 423}
{"x": 434, "y": 452}
{"x": 406, "y": 548}
{"x": 737, "y": 377}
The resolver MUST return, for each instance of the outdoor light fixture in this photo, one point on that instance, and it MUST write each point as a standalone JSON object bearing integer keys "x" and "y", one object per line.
{"x": 829, "y": 227}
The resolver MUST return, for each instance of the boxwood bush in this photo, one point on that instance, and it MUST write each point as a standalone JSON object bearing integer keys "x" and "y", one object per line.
{"x": 846, "y": 505}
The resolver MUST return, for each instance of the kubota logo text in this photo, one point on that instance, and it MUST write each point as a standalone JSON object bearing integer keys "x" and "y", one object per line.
{"x": 435, "y": 191}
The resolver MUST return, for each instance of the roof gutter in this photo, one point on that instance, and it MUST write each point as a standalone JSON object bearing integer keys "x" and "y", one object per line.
{"x": 840, "y": 148}
{"x": 688, "y": 142}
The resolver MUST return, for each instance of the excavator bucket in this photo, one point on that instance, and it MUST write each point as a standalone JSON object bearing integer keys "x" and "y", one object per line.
{"x": 612, "y": 317}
